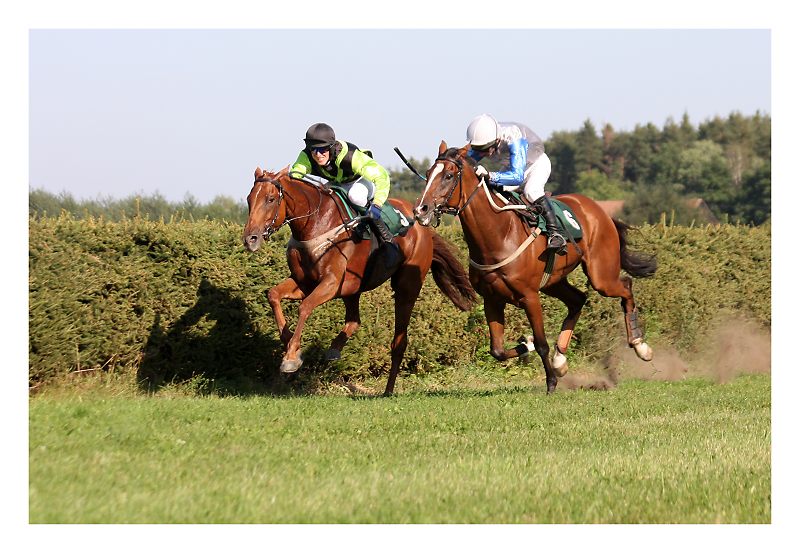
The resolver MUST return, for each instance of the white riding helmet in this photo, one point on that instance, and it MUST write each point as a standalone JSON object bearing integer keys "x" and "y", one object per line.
{"x": 482, "y": 131}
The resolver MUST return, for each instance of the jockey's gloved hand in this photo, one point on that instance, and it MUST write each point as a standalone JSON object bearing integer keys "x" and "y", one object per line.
{"x": 374, "y": 211}
{"x": 482, "y": 172}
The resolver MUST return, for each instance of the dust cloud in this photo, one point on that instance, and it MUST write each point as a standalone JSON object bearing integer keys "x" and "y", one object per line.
{"x": 732, "y": 346}
{"x": 739, "y": 346}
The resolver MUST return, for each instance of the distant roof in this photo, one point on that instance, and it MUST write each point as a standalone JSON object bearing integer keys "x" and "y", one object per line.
{"x": 614, "y": 208}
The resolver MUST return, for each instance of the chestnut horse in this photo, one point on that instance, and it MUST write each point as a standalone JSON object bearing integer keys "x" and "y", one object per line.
{"x": 508, "y": 262}
{"x": 326, "y": 261}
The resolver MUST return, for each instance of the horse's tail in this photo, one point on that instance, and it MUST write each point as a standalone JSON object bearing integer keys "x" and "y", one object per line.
{"x": 635, "y": 263}
{"x": 450, "y": 276}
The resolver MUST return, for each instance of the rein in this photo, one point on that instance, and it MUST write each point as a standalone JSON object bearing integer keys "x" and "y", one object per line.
{"x": 451, "y": 210}
{"x": 323, "y": 241}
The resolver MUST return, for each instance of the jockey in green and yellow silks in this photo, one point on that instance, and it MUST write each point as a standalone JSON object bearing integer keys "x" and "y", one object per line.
{"x": 345, "y": 163}
{"x": 365, "y": 180}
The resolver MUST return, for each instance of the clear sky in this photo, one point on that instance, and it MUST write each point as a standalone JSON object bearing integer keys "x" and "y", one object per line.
{"x": 116, "y": 112}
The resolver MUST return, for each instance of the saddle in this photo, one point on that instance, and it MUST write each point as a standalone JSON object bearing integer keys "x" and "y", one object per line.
{"x": 532, "y": 216}
{"x": 397, "y": 222}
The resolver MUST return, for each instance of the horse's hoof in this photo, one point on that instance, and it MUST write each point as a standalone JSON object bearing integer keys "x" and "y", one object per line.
{"x": 644, "y": 351}
{"x": 333, "y": 355}
{"x": 559, "y": 363}
{"x": 291, "y": 365}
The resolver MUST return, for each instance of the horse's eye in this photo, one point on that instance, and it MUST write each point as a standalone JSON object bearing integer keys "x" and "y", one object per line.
{"x": 448, "y": 176}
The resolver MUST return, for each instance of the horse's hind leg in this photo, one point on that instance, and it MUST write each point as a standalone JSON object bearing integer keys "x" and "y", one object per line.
{"x": 574, "y": 299}
{"x": 352, "y": 320}
{"x": 609, "y": 283}
{"x": 406, "y": 284}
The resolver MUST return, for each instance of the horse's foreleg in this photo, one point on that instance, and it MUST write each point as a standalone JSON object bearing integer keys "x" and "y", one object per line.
{"x": 325, "y": 291}
{"x": 533, "y": 309}
{"x": 287, "y": 289}
{"x": 574, "y": 299}
{"x": 496, "y": 317}
{"x": 352, "y": 320}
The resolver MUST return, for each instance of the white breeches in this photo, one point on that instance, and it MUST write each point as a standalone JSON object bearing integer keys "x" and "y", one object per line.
{"x": 361, "y": 191}
{"x": 536, "y": 177}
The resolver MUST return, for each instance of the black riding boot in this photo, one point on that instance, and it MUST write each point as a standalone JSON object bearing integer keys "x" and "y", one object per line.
{"x": 391, "y": 252}
{"x": 555, "y": 241}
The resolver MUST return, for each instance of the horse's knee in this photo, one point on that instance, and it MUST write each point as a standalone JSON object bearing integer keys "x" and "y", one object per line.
{"x": 304, "y": 312}
{"x": 577, "y": 306}
{"x": 498, "y": 353}
{"x": 542, "y": 349}
{"x": 399, "y": 345}
{"x": 273, "y": 296}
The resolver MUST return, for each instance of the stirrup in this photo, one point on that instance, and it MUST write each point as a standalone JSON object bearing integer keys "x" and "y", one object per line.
{"x": 560, "y": 249}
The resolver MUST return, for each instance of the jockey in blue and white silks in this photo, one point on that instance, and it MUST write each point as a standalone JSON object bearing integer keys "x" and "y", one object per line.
{"x": 528, "y": 165}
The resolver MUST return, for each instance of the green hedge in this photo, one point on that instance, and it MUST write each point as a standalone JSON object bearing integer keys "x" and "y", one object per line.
{"x": 176, "y": 301}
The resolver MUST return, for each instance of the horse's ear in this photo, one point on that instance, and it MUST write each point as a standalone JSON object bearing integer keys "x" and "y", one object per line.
{"x": 258, "y": 172}
{"x": 442, "y": 147}
{"x": 283, "y": 172}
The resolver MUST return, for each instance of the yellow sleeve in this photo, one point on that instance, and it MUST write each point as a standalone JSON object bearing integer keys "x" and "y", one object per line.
{"x": 301, "y": 166}
{"x": 372, "y": 170}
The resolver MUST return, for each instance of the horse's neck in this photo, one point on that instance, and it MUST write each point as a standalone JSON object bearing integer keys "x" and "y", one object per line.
{"x": 486, "y": 231}
{"x": 312, "y": 212}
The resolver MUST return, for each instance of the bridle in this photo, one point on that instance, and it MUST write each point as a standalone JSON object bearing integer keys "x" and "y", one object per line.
{"x": 270, "y": 229}
{"x": 445, "y": 207}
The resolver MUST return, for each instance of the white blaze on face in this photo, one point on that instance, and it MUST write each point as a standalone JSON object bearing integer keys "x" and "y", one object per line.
{"x": 436, "y": 170}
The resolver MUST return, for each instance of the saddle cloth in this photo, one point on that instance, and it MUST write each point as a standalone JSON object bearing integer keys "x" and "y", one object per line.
{"x": 397, "y": 221}
{"x": 565, "y": 218}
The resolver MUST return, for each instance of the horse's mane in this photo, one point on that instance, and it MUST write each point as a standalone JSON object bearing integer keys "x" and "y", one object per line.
{"x": 456, "y": 154}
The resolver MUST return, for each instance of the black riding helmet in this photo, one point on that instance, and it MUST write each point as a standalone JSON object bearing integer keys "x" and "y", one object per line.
{"x": 320, "y": 135}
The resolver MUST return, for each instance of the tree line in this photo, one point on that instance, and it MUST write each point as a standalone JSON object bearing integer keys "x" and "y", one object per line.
{"x": 154, "y": 207}
{"x": 724, "y": 161}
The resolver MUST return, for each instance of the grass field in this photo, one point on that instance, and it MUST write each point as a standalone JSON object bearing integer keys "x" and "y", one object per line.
{"x": 690, "y": 451}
